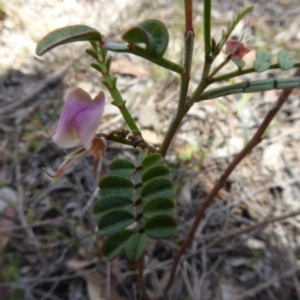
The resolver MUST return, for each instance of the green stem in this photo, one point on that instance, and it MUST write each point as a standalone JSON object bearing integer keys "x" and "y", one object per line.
{"x": 219, "y": 67}
{"x": 250, "y": 87}
{"x": 182, "y": 110}
{"x": 246, "y": 71}
{"x": 139, "y": 51}
{"x": 116, "y": 139}
{"x": 198, "y": 92}
{"x": 183, "y": 106}
{"x": 119, "y": 102}
{"x": 110, "y": 82}
{"x": 207, "y": 27}
{"x": 205, "y": 81}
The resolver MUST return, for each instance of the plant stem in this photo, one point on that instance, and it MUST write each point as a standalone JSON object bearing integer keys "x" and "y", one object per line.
{"x": 219, "y": 67}
{"x": 245, "y": 71}
{"x": 121, "y": 104}
{"x": 199, "y": 90}
{"x": 141, "y": 278}
{"x": 250, "y": 87}
{"x": 183, "y": 106}
{"x": 188, "y": 6}
{"x": 207, "y": 29}
{"x": 256, "y": 139}
{"x": 139, "y": 51}
{"x": 103, "y": 67}
{"x": 130, "y": 142}
{"x": 208, "y": 59}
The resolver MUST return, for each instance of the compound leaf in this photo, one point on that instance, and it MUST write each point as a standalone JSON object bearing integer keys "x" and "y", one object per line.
{"x": 262, "y": 62}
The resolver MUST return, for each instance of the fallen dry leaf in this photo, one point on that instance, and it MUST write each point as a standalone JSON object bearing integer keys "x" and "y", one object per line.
{"x": 126, "y": 67}
{"x": 96, "y": 287}
{"x": 148, "y": 113}
{"x": 77, "y": 265}
{"x": 151, "y": 137}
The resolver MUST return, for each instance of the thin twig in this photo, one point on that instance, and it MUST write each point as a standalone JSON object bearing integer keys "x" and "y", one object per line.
{"x": 55, "y": 221}
{"x": 91, "y": 201}
{"x": 237, "y": 232}
{"x": 38, "y": 279}
{"x": 108, "y": 280}
{"x": 265, "y": 285}
{"x": 20, "y": 207}
{"x": 256, "y": 139}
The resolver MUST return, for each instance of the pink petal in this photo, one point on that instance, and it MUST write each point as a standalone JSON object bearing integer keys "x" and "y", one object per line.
{"x": 87, "y": 121}
{"x": 236, "y": 49}
{"x": 75, "y": 102}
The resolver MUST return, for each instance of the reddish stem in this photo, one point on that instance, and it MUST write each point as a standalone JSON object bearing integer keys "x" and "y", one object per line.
{"x": 141, "y": 278}
{"x": 256, "y": 139}
{"x": 188, "y": 6}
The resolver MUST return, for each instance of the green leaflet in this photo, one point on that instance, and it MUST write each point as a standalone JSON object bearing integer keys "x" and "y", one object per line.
{"x": 285, "y": 60}
{"x": 155, "y": 171}
{"x": 65, "y": 35}
{"x": 116, "y": 185}
{"x": 111, "y": 202}
{"x": 239, "y": 62}
{"x": 135, "y": 246}
{"x": 160, "y": 227}
{"x": 115, "y": 220}
{"x": 157, "y": 187}
{"x": 152, "y": 160}
{"x": 122, "y": 167}
{"x": 116, "y": 243}
{"x": 153, "y": 33}
{"x": 159, "y": 206}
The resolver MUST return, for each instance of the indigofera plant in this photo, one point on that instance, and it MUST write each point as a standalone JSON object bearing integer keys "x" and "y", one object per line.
{"x": 137, "y": 199}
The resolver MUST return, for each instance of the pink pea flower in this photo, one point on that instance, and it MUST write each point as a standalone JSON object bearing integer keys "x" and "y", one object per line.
{"x": 78, "y": 124}
{"x": 236, "y": 49}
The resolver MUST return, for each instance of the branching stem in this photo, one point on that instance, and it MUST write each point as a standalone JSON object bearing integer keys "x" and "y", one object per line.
{"x": 256, "y": 139}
